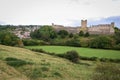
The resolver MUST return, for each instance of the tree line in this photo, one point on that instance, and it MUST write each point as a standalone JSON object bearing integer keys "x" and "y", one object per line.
{"x": 46, "y": 35}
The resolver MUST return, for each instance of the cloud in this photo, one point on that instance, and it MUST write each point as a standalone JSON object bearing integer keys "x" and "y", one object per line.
{"x": 108, "y": 20}
{"x": 55, "y": 11}
{"x": 115, "y": 0}
{"x": 2, "y": 23}
{"x": 82, "y": 2}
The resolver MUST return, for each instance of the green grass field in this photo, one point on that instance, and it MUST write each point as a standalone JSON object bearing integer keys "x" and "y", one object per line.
{"x": 46, "y": 67}
{"x": 86, "y": 52}
{"x": 43, "y": 67}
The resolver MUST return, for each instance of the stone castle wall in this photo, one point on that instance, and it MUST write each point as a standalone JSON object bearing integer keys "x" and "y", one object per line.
{"x": 94, "y": 29}
{"x": 67, "y": 28}
{"x": 101, "y": 29}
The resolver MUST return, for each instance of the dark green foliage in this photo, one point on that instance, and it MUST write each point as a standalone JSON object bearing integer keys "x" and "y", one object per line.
{"x": 86, "y": 34}
{"x": 16, "y": 62}
{"x": 117, "y": 35}
{"x": 73, "y": 42}
{"x": 32, "y": 42}
{"x": 38, "y": 50}
{"x": 101, "y": 42}
{"x": 63, "y": 33}
{"x": 44, "y": 33}
{"x": 81, "y": 33}
{"x": 71, "y": 35}
{"x": 7, "y": 38}
{"x": 89, "y": 58}
{"x": 106, "y": 71}
{"x": 72, "y": 56}
{"x": 117, "y": 47}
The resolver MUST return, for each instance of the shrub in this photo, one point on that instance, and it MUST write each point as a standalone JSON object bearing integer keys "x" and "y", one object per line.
{"x": 38, "y": 50}
{"x": 101, "y": 42}
{"x": 104, "y": 59}
{"x": 73, "y": 42}
{"x": 72, "y": 56}
{"x": 32, "y": 42}
{"x": 84, "y": 42}
{"x": 89, "y": 58}
{"x": 117, "y": 47}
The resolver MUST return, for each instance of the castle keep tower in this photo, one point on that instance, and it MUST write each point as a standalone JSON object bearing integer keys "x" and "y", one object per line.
{"x": 83, "y": 23}
{"x": 83, "y": 26}
{"x": 112, "y": 24}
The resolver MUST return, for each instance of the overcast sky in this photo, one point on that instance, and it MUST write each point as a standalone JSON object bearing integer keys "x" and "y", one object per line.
{"x": 63, "y": 12}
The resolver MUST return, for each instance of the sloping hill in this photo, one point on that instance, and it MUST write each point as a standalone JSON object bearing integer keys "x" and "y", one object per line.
{"x": 22, "y": 64}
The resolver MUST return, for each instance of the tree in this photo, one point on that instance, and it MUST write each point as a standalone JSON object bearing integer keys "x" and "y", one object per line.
{"x": 70, "y": 35}
{"x": 81, "y": 33}
{"x": 86, "y": 34}
{"x": 117, "y": 35}
{"x": 44, "y": 33}
{"x": 63, "y": 33}
{"x": 101, "y": 42}
{"x": 8, "y": 38}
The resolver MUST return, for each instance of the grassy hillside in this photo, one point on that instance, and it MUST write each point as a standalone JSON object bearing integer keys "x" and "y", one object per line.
{"x": 22, "y": 64}
{"x": 40, "y": 66}
{"x": 87, "y": 52}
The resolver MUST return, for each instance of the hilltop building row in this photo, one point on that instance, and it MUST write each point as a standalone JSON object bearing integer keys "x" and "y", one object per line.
{"x": 94, "y": 29}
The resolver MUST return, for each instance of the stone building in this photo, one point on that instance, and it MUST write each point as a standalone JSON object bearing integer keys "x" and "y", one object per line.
{"x": 94, "y": 29}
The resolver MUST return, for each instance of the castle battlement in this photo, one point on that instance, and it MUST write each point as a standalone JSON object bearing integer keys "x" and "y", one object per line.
{"x": 93, "y": 29}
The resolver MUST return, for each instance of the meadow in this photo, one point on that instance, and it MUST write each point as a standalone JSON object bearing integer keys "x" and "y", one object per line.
{"x": 40, "y": 66}
{"x": 23, "y": 64}
{"x": 85, "y": 52}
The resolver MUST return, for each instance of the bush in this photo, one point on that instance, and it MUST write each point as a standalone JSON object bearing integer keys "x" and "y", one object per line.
{"x": 101, "y": 42}
{"x": 32, "y": 42}
{"x": 117, "y": 47}
{"x": 84, "y": 42}
{"x": 38, "y": 50}
{"x": 73, "y": 42}
{"x": 89, "y": 58}
{"x": 72, "y": 56}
